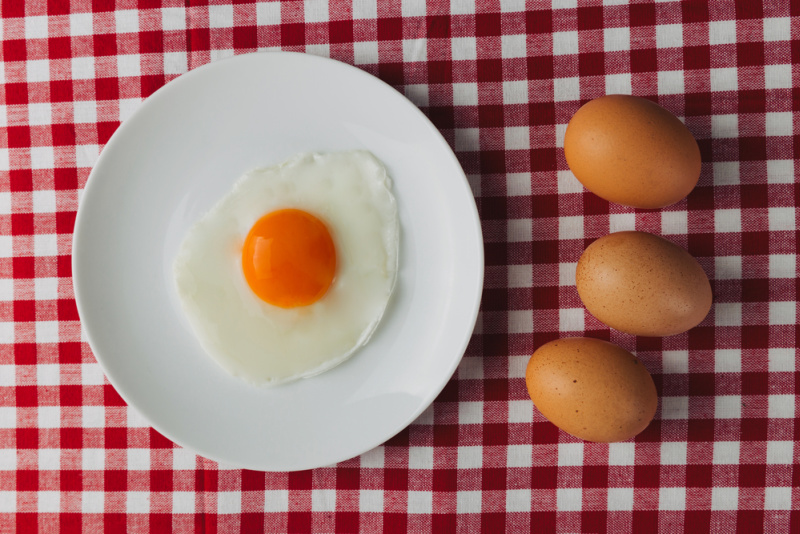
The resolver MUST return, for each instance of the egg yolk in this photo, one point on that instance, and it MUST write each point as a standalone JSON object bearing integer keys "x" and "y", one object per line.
{"x": 289, "y": 259}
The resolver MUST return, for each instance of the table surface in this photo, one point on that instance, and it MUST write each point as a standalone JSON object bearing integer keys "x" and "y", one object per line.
{"x": 500, "y": 79}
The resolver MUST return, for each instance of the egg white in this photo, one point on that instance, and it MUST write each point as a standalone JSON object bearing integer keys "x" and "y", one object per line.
{"x": 267, "y": 345}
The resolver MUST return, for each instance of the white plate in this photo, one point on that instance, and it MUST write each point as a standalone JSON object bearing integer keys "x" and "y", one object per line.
{"x": 172, "y": 160}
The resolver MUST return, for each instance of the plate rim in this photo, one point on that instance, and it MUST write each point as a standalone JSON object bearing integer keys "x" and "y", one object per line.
{"x": 114, "y": 140}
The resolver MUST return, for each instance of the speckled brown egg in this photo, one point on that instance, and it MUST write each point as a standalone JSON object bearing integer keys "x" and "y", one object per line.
{"x": 632, "y": 151}
{"x": 642, "y": 284}
{"x": 591, "y": 389}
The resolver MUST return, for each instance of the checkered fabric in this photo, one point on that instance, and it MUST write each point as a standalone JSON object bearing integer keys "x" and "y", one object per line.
{"x": 500, "y": 79}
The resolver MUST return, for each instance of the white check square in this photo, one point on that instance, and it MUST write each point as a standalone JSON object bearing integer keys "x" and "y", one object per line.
{"x": 672, "y": 499}
{"x": 724, "y": 498}
{"x": 470, "y": 413}
{"x": 420, "y": 458}
{"x": 220, "y": 16}
{"x": 728, "y": 407}
{"x": 514, "y": 46}
{"x": 778, "y": 77}
{"x": 565, "y": 43}
{"x": 725, "y": 79}
{"x": 725, "y": 172}
{"x": 570, "y": 454}
{"x": 721, "y": 32}
{"x": 566, "y": 89}
{"x": 670, "y": 82}
{"x": 781, "y": 406}
{"x": 464, "y": 48}
{"x": 726, "y": 452}
{"x": 777, "y": 29}
{"x": 470, "y": 457}
{"x": 724, "y": 126}
{"x": 323, "y": 500}
{"x": 673, "y": 453}
{"x": 364, "y": 53}
{"x": 781, "y": 360}
{"x": 782, "y": 266}
{"x": 669, "y": 36}
{"x": 518, "y": 500}
{"x": 183, "y": 502}
{"x": 569, "y": 499}
{"x": 620, "y": 499}
{"x": 616, "y": 39}
{"x": 174, "y": 18}
{"x": 782, "y": 313}
{"x": 519, "y": 456}
{"x": 420, "y": 502}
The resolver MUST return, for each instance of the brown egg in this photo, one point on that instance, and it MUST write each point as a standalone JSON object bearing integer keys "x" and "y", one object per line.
{"x": 632, "y": 151}
{"x": 642, "y": 284}
{"x": 591, "y": 389}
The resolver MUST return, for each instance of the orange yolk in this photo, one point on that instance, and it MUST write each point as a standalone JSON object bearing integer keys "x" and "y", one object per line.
{"x": 288, "y": 258}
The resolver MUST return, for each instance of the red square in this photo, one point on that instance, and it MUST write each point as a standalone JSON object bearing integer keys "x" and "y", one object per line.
{"x": 157, "y": 441}
{"x": 496, "y": 433}
{"x": 395, "y": 479}
{"x": 301, "y": 480}
{"x": 701, "y": 430}
{"x": 694, "y": 12}
{"x": 493, "y": 522}
{"x": 752, "y": 476}
{"x": 438, "y": 27}
{"x": 540, "y": 67}
{"x": 67, "y": 311}
{"x": 22, "y": 224}
{"x": 444, "y": 523}
{"x": 444, "y": 479}
{"x": 395, "y": 523}
{"x": 117, "y": 522}
{"x": 749, "y": 520}
{"x": 299, "y": 522}
{"x": 591, "y": 18}
{"x": 544, "y": 521}
{"x": 161, "y": 480}
{"x": 106, "y": 89}
{"x": 27, "y": 522}
{"x": 347, "y": 478}
{"x": 152, "y": 42}
{"x": 749, "y": 10}
{"x": 63, "y": 135}
{"x": 26, "y": 396}
{"x": 253, "y": 480}
{"x": 250, "y": 522}
{"x": 697, "y": 57}
{"x": 115, "y": 438}
{"x": 754, "y": 429}
{"x": 401, "y": 439}
{"x": 58, "y": 7}
{"x": 340, "y": 31}
{"x": 64, "y": 266}
{"x": 488, "y": 25}
{"x": 594, "y": 521}
{"x": 643, "y": 15}
{"x": 27, "y": 480}
{"x": 490, "y": 116}
{"x": 752, "y": 101}
{"x": 390, "y": 29}
{"x": 69, "y": 352}
{"x": 208, "y": 480}
{"x": 440, "y": 72}
{"x": 71, "y": 523}
{"x": 391, "y": 73}
{"x": 160, "y": 523}
{"x": 245, "y": 37}
{"x": 493, "y": 162}
{"x": 644, "y": 521}
{"x": 595, "y": 476}
{"x": 65, "y": 222}
{"x": 493, "y": 479}
{"x": 541, "y": 113}
{"x": 445, "y": 435}
{"x": 25, "y": 353}
{"x": 293, "y": 34}
{"x": 594, "y": 205}
{"x": 19, "y": 136}
{"x": 61, "y": 91}
{"x": 755, "y": 243}
{"x": 105, "y": 44}
{"x": 200, "y": 39}
{"x": 24, "y": 310}
{"x": 27, "y": 438}
{"x": 346, "y": 522}
{"x": 59, "y": 47}
{"x": 65, "y": 178}
{"x": 13, "y": 49}
{"x": 644, "y": 60}
{"x": 646, "y": 476}
{"x": 16, "y": 93}
{"x": 106, "y": 129}
{"x": 539, "y": 21}
{"x": 71, "y": 395}
{"x": 697, "y": 521}
{"x": 752, "y": 149}
{"x": 115, "y": 480}
{"x": 495, "y": 389}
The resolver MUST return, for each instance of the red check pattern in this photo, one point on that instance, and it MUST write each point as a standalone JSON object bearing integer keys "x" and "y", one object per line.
{"x": 500, "y": 79}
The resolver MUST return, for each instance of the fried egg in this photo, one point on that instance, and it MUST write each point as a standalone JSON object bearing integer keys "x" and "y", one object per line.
{"x": 290, "y": 272}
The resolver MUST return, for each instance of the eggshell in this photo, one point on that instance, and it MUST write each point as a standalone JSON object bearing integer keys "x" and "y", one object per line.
{"x": 642, "y": 284}
{"x": 591, "y": 389}
{"x": 632, "y": 151}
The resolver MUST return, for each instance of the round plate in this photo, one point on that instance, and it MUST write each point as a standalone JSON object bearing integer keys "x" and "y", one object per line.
{"x": 172, "y": 160}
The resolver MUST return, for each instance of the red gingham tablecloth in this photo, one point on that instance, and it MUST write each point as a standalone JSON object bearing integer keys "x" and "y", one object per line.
{"x": 500, "y": 79}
